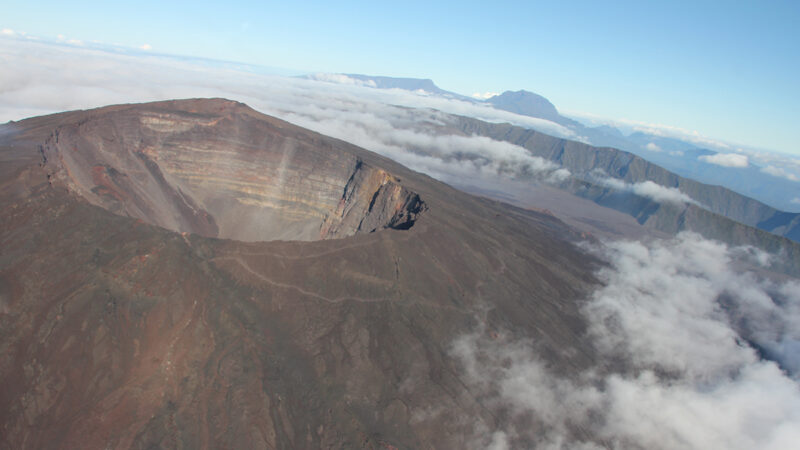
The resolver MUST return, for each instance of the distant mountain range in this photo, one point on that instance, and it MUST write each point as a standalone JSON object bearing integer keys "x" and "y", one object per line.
{"x": 677, "y": 155}
{"x": 717, "y": 213}
{"x": 622, "y": 180}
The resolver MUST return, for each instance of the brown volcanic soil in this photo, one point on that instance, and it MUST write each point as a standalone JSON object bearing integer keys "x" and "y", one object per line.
{"x": 125, "y": 322}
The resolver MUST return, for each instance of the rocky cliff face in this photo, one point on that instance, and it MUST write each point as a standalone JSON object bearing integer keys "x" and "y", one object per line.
{"x": 726, "y": 209}
{"x": 581, "y": 159}
{"x": 223, "y": 173}
{"x": 372, "y": 199}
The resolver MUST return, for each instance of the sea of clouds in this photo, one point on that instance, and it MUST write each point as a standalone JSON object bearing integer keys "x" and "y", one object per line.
{"x": 40, "y": 78}
{"x": 705, "y": 357}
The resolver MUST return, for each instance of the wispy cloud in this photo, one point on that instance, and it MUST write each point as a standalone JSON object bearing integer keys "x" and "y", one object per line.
{"x": 670, "y": 131}
{"x": 677, "y": 367}
{"x": 655, "y": 129}
{"x": 648, "y": 189}
{"x": 780, "y": 172}
{"x": 726, "y": 159}
{"x": 774, "y": 163}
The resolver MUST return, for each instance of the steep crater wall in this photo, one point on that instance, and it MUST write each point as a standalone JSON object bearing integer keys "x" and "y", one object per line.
{"x": 229, "y": 175}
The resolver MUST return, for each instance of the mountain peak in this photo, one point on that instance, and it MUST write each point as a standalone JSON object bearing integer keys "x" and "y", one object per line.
{"x": 526, "y": 103}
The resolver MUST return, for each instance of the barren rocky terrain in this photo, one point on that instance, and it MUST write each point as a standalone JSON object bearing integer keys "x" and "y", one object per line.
{"x": 194, "y": 274}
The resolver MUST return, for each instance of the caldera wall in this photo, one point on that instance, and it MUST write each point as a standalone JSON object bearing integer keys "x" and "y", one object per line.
{"x": 224, "y": 174}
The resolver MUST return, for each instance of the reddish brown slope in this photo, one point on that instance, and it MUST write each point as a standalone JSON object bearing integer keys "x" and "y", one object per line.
{"x": 119, "y": 333}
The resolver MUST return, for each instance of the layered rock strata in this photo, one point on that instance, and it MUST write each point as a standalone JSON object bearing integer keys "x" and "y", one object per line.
{"x": 224, "y": 175}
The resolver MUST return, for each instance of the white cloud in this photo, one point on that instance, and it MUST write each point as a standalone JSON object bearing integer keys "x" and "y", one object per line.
{"x": 796, "y": 200}
{"x": 394, "y": 132}
{"x": 649, "y": 189}
{"x": 780, "y": 172}
{"x": 655, "y": 129}
{"x": 676, "y": 363}
{"x": 7, "y": 32}
{"x": 146, "y": 47}
{"x": 783, "y": 165}
{"x": 653, "y": 147}
{"x": 726, "y": 159}
{"x": 485, "y": 95}
{"x": 660, "y": 193}
{"x": 670, "y": 131}
{"x": 678, "y": 283}
{"x": 790, "y": 162}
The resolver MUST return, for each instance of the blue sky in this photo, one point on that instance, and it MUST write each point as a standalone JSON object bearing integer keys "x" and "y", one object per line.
{"x": 726, "y": 69}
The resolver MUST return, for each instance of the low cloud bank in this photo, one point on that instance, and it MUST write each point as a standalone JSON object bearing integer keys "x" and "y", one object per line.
{"x": 627, "y": 126}
{"x": 705, "y": 357}
{"x": 444, "y": 156}
{"x": 341, "y": 79}
{"x": 90, "y": 77}
{"x": 774, "y": 163}
{"x": 50, "y": 78}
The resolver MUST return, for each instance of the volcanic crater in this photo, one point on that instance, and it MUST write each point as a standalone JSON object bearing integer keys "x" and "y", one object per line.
{"x": 225, "y": 172}
{"x": 120, "y": 334}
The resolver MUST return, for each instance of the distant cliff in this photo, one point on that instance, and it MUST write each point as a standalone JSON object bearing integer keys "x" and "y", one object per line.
{"x": 725, "y": 215}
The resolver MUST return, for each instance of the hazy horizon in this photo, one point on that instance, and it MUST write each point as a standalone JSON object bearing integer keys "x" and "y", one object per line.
{"x": 717, "y": 69}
